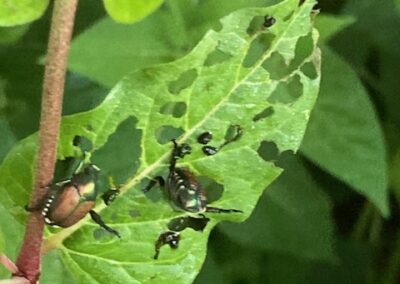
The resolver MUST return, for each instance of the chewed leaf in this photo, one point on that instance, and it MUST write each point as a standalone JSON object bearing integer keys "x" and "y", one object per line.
{"x": 216, "y": 85}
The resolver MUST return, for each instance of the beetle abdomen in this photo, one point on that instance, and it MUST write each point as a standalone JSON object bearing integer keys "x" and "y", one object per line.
{"x": 186, "y": 192}
{"x": 80, "y": 211}
{"x": 66, "y": 207}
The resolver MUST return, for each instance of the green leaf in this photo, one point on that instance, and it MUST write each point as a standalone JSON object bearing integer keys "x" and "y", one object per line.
{"x": 7, "y": 135}
{"x": 292, "y": 217}
{"x": 165, "y": 36}
{"x": 344, "y": 136}
{"x": 12, "y": 232}
{"x": 130, "y": 11}
{"x": 352, "y": 267}
{"x": 54, "y": 271}
{"x": 7, "y": 138}
{"x": 19, "y": 12}
{"x": 328, "y": 26}
{"x": 216, "y": 94}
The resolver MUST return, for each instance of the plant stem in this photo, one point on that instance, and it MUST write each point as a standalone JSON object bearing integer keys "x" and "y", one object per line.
{"x": 29, "y": 258}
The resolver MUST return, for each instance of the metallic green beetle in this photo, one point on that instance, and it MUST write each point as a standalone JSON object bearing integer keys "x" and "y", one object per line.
{"x": 70, "y": 200}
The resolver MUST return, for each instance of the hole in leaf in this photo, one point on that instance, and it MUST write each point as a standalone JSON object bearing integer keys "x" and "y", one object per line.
{"x": 213, "y": 189}
{"x": 287, "y": 92}
{"x": 268, "y": 151}
{"x": 216, "y": 57}
{"x": 176, "y": 109}
{"x": 184, "y": 81}
{"x": 124, "y": 162}
{"x": 166, "y": 133}
{"x": 309, "y": 70}
{"x": 181, "y": 223}
{"x": 276, "y": 66}
{"x": 155, "y": 194}
{"x": 232, "y": 132}
{"x": 255, "y": 25}
{"x": 304, "y": 48}
{"x": 264, "y": 114}
{"x": 83, "y": 143}
{"x": 65, "y": 168}
{"x": 257, "y": 48}
{"x": 288, "y": 16}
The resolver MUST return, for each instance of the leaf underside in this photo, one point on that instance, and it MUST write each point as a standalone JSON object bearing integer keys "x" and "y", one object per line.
{"x": 270, "y": 94}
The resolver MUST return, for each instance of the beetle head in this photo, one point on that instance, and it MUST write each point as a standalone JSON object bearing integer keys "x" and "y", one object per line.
{"x": 91, "y": 170}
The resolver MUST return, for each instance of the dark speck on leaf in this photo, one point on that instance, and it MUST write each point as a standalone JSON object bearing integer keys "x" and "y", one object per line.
{"x": 269, "y": 21}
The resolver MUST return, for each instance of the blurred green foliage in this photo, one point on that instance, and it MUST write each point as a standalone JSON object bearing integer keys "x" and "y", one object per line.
{"x": 128, "y": 11}
{"x": 19, "y": 12}
{"x": 330, "y": 218}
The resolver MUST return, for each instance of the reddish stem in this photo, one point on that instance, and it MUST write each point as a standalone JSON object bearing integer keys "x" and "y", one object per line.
{"x": 29, "y": 258}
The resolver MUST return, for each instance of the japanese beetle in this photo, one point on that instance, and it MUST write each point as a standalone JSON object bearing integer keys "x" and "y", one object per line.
{"x": 70, "y": 200}
{"x": 182, "y": 188}
{"x": 184, "y": 191}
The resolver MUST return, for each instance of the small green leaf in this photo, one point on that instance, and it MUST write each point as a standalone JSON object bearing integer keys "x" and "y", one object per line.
{"x": 130, "y": 11}
{"x": 19, "y": 12}
{"x": 216, "y": 94}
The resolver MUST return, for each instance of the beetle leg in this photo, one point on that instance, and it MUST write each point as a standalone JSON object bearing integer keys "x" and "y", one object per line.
{"x": 111, "y": 193}
{"x": 158, "y": 179}
{"x": 41, "y": 204}
{"x": 221, "y": 210}
{"x": 62, "y": 182}
{"x": 97, "y": 219}
{"x": 178, "y": 152}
